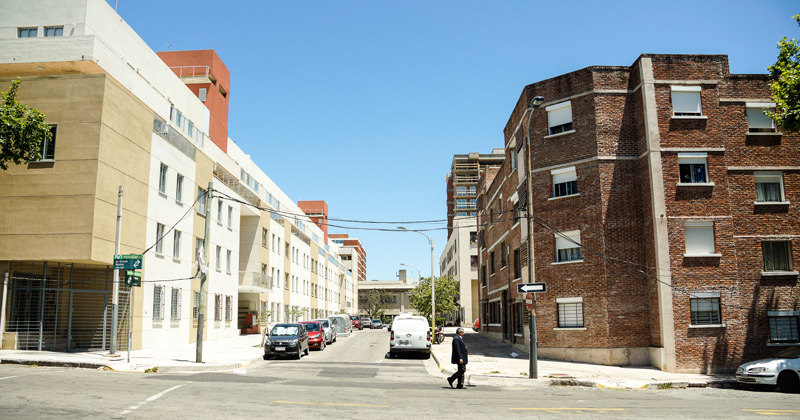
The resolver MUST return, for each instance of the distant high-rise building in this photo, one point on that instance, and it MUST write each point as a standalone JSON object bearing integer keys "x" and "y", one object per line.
{"x": 462, "y": 182}
{"x": 351, "y": 250}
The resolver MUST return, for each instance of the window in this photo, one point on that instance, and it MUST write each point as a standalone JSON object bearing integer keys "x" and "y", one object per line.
{"x": 201, "y": 93}
{"x": 162, "y": 179}
{"x": 230, "y": 217}
{"x": 699, "y": 238}
{"x": 198, "y": 244}
{"x": 175, "y": 307}
{"x": 559, "y": 117}
{"x": 219, "y": 258}
{"x": 568, "y": 246}
{"x": 219, "y": 212}
{"x": 757, "y": 120}
{"x": 692, "y": 168}
{"x": 565, "y": 181}
{"x": 228, "y": 308}
{"x": 176, "y": 244}
{"x": 705, "y": 308}
{"x": 53, "y": 31}
{"x": 493, "y": 315}
{"x": 158, "y": 302}
{"x": 179, "y": 188}
{"x": 473, "y": 238}
{"x": 491, "y": 262}
{"x": 686, "y": 101}
{"x": 48, "y": 146}
{"x": 461, "y": 204}
{"x": 196, "y": 305}
{"x": 228, "y": 262}
{"x": 513, "y": 161}
{"x": 202, "y": 198}
{"x": 27, "y": 32}
{"x": 286, "y": 281}
{"x": 264, "y": 237}
{"x": 503, "y": 254}
{"x": 517, "y": 264}
{"x": 783, "y": 327}
{"x": 570, "y": 312}
{"x": 159, "y": 237}
{"x": 217, "y": 307}
{"x": 461, "y": 191}
{"x": 777, "y": 255}
{"x": 769, "y": 187}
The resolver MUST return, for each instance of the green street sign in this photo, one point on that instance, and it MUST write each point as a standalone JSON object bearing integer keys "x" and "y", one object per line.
{"x": 128, "y": 262}
{"x": 133, "y": 279}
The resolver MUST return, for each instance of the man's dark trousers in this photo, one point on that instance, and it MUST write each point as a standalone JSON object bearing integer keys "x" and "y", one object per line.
{"x": 458, "y": 357}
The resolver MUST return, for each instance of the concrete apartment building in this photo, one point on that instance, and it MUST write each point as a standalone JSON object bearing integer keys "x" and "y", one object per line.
{"x": 155, "y": 124}
{"x": 664, "y": 218}
{"x": 353, "y": 254}
{"x": 459, "y": 257}
{"x": 397, "y": 293}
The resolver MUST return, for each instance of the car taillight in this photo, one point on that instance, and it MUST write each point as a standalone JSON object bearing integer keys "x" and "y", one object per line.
{"x": 429, "y": 335}
{"x": 392, "y": 337}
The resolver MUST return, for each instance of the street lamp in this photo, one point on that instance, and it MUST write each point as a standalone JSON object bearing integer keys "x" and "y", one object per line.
{"x": 433, "y": 284}
{"x": 419, "y": 272}
{"x": 533, "y": 369}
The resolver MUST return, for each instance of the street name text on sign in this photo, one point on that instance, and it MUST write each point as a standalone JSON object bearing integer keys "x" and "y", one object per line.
{"x": 531, "y": 288}
{"x": 128, "y": 262}
{"x": 133, "y": 279}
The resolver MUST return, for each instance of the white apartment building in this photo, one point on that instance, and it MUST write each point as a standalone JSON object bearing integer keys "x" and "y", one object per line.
{"x": 460, "y": 259}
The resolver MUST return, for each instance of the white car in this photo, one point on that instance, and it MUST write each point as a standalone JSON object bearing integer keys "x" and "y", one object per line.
{"x": 410, "y": 334}
{"x": 783, "y": 371}
{"x": 330, "y": 332}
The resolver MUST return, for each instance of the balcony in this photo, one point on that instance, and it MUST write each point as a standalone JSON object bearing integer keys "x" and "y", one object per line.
{"x": 199, "y": 74}
{"x": 254, "y": 282}
{"x": 233, "y": 183}
{"x": 466, "y": 167}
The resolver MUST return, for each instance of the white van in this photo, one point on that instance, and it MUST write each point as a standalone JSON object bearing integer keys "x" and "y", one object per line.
{"x": 410, "y": 334}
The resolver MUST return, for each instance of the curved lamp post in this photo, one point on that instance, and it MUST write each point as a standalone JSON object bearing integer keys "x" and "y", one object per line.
{"x": 419, "y": 272}
{"x": 533, "y": 369}
{"x": 433, "y": 284}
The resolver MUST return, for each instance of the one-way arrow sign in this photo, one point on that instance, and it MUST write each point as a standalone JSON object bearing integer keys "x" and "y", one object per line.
{"x": 531, "y": 288}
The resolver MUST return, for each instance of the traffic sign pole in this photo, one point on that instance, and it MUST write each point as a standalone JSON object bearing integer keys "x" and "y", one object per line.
{"x": 115, "y": 282}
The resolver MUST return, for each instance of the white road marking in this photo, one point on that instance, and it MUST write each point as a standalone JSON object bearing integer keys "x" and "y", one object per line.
{"x": 9, "y": 377}
{"x": 151, "y": 399}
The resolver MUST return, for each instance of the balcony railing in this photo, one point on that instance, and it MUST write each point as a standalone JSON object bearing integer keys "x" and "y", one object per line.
{"x": 466, "y": 166}
{"x": 233, "y": 183}
{"x": 258, "y": 280}
{"x": 173, "y": 136}
{"x": 191, "y": 72}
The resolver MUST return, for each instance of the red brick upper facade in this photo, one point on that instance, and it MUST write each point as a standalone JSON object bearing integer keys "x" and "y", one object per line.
{"x": 684, "y": 210}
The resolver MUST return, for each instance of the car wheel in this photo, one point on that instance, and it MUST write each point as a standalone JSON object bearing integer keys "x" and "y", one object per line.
{"x": 299, "y": 354}
{"x": 306, "y": 351}
{"x": 788, "y": 382}
{"x": 427, "y": 355}
{"x": 322, "y": 346}
{"x": 265, "y": 357}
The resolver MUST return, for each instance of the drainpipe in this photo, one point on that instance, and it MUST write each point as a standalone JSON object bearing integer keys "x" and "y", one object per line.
{"x": 3, "y": 309}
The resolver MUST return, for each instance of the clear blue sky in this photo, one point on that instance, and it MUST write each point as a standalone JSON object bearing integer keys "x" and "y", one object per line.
{"x": 363, "y": 103}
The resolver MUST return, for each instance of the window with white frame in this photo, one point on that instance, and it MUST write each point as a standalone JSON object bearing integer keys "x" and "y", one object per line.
{"x": 230, "y": 217}
{"x": 196, "y": 305}
{"x": 461, "y": 203}
{"x": 699, "y": 236}
{"x": 693, "y": 168}
{"x": 48, "y": 145}
{"x": 461, "y": 190}
{"x": 783, "y": 327}
{"x": 570, "y": 312}
{"x": 705, "y": 308}
{"x": 53, "y": 31}
{"x": 176, "y": 244}
{"x": 513, "y": 155}
{"x": 158, "y": 302}
{"x": 198, "y": 245}
{"x": 159, "y": 238}
{"x": 777, "y": 255}
{"x": 686, "y": 101}
{"x": 264, "y": 237}
{"x": 202, "y": 201}
{"x": 769, "y": 187}
{"x": 162, "y": 179}
{"x": 565, "y": 181}
{"x": 218, "y": 258}
{"x": 559, "y": 117}
{"x": 217, "y": 307}
{"x": 27, "y": 32}
{"x": 175, "y": 306}
{"x": 219, "y": 212}
{"x": 201, "y": 94}
{"x": 757, "y": 120}
{"x": 179, "y": 188}
{"x": 228, "y": 308}
{"x": 228, "y": 262}
{"x": 568, "y": 246}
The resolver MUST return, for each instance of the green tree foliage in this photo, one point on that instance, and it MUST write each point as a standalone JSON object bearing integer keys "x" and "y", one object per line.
{"x": 446, "y": 295}
{"x": 373, "y": 302}
{"x": 22, "y": 130}
{"x": 785, "y": 75}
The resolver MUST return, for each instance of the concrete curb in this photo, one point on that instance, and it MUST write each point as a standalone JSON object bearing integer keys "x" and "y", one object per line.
{"x": 53, "y": 363}
{"x": 124, "y": 369}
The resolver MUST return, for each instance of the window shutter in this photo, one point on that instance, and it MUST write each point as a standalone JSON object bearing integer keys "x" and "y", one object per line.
{"x": 559, "y": 114}
{"x": 564, "y": 239}
{"x": 699, "y": 237}
{"x": 564, "y": 175}
{"x": 686, "y": 100}
{"x": 756, "y": 117}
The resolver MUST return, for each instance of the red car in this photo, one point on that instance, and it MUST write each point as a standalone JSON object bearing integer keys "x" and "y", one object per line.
{"x": 356, "y": 320}
{"x": 316, "y": 334}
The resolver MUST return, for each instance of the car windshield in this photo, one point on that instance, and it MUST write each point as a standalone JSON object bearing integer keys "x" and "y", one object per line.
{"x": 375, "y": 321}
{"x": 354, "y": 318}
{"x": 324, "y": 323}
{"x": 312, "y": 327}
{"x": 285, "y": 330}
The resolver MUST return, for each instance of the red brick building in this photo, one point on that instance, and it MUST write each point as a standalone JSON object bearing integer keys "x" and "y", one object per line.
{"x": 665, "y": 221}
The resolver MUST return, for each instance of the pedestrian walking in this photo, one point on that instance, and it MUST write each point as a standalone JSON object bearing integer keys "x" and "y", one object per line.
{"x": 459, "y": 358}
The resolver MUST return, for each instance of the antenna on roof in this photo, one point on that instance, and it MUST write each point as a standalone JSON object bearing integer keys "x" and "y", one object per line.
{"x": 169, "y": 46}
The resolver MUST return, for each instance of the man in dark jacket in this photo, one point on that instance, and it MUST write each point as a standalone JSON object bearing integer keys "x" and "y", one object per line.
{"x": 459, "y": 357}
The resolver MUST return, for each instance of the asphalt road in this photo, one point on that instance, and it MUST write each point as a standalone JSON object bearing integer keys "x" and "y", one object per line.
{"x": 350, "y": 379}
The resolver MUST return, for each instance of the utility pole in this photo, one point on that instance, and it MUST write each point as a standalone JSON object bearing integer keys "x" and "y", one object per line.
{"x": 533, "y": 356}
{"x": 115, "y": 281}
{"x": 201, "y": 310}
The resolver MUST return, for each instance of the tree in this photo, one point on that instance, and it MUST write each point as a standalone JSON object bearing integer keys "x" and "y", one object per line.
{"x": 785, "y": 75}
{"x": 374, "y": 301}
{"x": 446, "y": 295}
{"x": 22, "y": 130}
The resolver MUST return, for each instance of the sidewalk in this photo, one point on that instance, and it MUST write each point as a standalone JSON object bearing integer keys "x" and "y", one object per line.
{"x": 218, "y": 355}
{"x": 498, "y": 364}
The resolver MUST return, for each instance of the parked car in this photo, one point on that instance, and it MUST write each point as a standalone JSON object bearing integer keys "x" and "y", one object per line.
{"x": 377, "y": 324}
{"x": 286, "y": 339}
{"x": 366, "y": 322}
{"x": 783, "y": 371}
{"x": 330, "y": 332}
{"x": 342, "y": 324}
{"x": 356, "y": 320}
{"x": 316, "y": 335}
{"x": 410, "y": 334}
